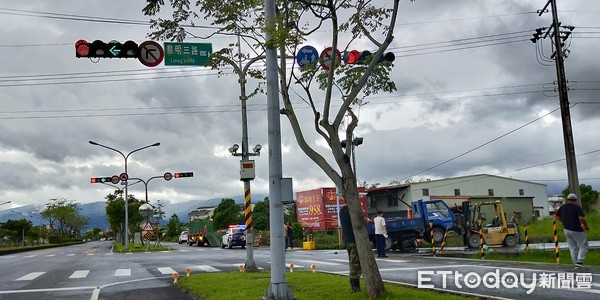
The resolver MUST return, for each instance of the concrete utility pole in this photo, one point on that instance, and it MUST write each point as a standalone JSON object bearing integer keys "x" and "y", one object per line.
{"x": 278, "y": 288}
{"x": 564, "y": 103}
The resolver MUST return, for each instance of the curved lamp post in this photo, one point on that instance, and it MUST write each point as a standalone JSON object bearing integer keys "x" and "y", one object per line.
{"x": 125, "y": 157}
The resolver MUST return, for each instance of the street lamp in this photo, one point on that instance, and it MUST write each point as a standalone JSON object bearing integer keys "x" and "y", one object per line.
{"x": 126, "y": 242}
{"x": 22, "y": 229}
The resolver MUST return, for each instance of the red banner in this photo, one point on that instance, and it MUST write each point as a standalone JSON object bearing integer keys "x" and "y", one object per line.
{"x": 318, "y": 209}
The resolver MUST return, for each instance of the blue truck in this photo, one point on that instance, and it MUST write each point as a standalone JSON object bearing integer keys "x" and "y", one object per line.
{"x": 404, "y": 233}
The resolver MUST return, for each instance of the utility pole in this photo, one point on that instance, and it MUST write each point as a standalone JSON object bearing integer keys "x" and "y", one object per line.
{"x": 278, "y": 288}
{"x": 564, "y": 100}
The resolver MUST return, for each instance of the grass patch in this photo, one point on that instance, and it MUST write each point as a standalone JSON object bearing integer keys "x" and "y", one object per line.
{"x": 120, "y": 248}
{"x": 303, "y": 284}
{"x": 592, "y": 258}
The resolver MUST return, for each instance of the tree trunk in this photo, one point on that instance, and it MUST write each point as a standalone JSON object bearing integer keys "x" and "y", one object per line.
{"x": 371, "y": 275}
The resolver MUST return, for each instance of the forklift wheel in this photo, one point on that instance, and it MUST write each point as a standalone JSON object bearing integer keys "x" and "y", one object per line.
{"x": 510, "y": 241}
{"x": 473, "y": 240}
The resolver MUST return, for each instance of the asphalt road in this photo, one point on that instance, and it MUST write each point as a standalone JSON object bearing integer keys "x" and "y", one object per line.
{"x": 92, "y": 271}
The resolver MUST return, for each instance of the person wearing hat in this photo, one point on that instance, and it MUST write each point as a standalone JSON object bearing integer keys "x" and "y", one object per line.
{"x": 574, "y": 225}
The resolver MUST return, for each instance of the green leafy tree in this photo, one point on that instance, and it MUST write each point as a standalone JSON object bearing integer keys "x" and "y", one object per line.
{"x": 589, "y": 196}
{"x": 115, "y": 213}
{"x": 226, "y": 213}
{"x": 174, "y": 226}
{"x": 260, "y": 215}
{"x": 16, "y": 229}
{"x": 338, "y": 90}
{"x": 64, "y": 217}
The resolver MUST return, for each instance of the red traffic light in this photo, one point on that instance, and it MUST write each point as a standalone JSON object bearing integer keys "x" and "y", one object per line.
{"x": 99, "y": 179}
{"x": 100, "y": 49}
{"x": 183, "y": 175}
{"x": 364, "y": 57}
{"x": 82, "y": 48}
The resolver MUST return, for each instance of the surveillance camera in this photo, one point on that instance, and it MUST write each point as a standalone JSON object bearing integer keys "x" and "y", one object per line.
{"x": 233, "y": 149}
{"x": 257, "y": 148}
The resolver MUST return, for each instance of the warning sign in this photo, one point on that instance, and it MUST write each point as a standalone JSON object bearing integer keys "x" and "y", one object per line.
{"x": 148, "y": 227}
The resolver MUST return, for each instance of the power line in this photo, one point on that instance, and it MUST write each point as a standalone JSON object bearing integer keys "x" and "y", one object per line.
{"x": 482, "y": 145}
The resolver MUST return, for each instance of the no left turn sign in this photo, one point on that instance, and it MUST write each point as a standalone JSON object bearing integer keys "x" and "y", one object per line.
{"x": 151, "y": 53}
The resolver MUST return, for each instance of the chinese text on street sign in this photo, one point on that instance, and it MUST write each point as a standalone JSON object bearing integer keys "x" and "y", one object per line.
{"x": 187, "y": 54}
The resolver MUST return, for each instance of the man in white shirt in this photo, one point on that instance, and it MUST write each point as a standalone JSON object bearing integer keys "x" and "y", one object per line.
{"x": 380, "y": 234}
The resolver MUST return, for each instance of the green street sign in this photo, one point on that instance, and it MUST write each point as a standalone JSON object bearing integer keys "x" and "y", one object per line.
{"x": 187, "y": 54}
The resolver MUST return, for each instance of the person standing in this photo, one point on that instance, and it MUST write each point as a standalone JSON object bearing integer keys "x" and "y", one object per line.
{"x": 380, "y": 234}
{"x": 290, "y": 235}
{"x": 350, "y": 242}
{"x": 515, "y": 220}
{"x": 573, "y": 220}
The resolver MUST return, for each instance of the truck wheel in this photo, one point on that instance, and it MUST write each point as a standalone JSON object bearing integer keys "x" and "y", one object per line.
{"x": 473, "y": 240}
{"x": 388, "y": 243}
{"x": 510, "y": 241}
{"x": 438, "y": 235}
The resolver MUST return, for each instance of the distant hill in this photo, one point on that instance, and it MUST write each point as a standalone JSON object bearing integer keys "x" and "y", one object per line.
{"x": 96, "y": 213}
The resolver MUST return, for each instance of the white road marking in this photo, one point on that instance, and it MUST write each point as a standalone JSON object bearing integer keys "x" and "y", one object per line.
{"x": 79, "y": 274}
{"x": 109, "y": 253}
{"x": 90, "y": 254}
{"x": 123, "y": 272}
{"x": 208, "y": 268}
{"x": 50, "y": 255}
{"x": 72, "y": 254}
{"x": 166, "y": 271}
{"x": 30, "y": 256}
{"x": 30, "y": 276}
{"x": 321, "y": 262}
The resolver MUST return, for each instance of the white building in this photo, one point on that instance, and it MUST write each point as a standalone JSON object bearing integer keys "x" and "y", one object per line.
{"x": 454, "y": 190}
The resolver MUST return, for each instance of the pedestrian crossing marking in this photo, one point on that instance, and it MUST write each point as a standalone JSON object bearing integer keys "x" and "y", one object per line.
{"x": 166, "y": 271}
{"x": 79, "y": 274}
{"x": 208, "y": 268}
{"x": 30, "y": 276}
{"x": 123, "y": 272}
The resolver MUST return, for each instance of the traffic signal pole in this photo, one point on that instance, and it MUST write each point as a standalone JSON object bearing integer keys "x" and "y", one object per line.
{"x": 125, "y": 157}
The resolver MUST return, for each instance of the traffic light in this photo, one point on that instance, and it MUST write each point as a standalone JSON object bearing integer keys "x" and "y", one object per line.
{"x": 183, "y": 175}
{"x": 364, "y": 57}
{"x": 100, "y": 49}
{"x": 99, "y": 179}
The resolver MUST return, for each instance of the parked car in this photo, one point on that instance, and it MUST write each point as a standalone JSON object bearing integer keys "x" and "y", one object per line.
{"x": 183, "y": 237}
{"x": 235, "y": 236}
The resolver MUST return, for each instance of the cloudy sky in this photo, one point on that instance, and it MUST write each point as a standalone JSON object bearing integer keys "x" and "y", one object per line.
{"x": 473, "y": 97}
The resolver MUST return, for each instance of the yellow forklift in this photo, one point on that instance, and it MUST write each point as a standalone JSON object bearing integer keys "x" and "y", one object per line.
{"x": 497, "y": 232}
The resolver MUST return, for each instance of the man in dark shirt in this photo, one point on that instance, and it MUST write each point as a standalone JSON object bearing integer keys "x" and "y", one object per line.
{"x": 350, "y": 242}
{"x": 573, "y": 220}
